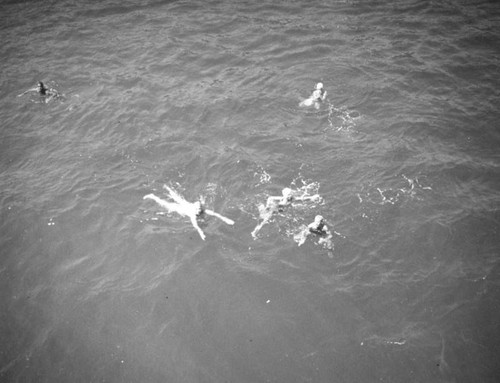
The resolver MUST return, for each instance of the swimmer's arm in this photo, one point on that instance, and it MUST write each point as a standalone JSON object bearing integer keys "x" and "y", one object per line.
{"x": 327, "y": 232}
{"x": 273, "y": 199}
{"x": 194, "y": 222}
{"x": 313, "y": 198}
{"x": 153, "y": 197}
{"x": 302, "y": 236}
{"x": 273, "y": 203}
{"x": 327, "y": 238}
{"x": 221, "y": 217}
{"x": 170, "y": 206}
{"x": 29, "y": 90}
{"x": 324, "y": 96}
{"x": 258, "y": 227}
{"x": 311, "y": 226}
{"x": 52, "y": 93}
{"x": 174, "y": 195}
{"x": 266, "y": 213}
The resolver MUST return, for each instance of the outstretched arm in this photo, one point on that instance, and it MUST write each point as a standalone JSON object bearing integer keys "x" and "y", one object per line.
{"x": 170, "y": 206}
{"x": 29, "y": 90}
{"x": 303, "y": 198}
{"x": 158, "y": 200}
{"x": 174, "y": 195}
{"x": 194, "y": 222}
{"x": 257, "y": 228}
{"x": 221, "y": 217}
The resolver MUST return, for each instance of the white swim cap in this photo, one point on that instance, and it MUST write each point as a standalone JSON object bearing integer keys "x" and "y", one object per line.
{"x": 319, "y": 85}
{"x": 318, "y": 218}
{"x": 198, "y": 205}
{"x": 286, "y": 192}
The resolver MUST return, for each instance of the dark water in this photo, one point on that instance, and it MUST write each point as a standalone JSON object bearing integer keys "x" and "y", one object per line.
{"x": 97, "y": 286}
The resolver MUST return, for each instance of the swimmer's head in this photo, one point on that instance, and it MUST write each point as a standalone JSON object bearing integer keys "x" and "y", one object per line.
{"x": 41, "y": 87}
{"x": 199, "y": 205}
{"x": 318, "y": 219}
{"x": 319, "y": 86}
{"x": 287, "y": 195}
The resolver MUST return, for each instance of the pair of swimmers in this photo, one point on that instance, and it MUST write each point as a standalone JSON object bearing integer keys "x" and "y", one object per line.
{"x": 318, "y": 94}
{"x": 195, "y": 210}
{"x": 276, "y": 204}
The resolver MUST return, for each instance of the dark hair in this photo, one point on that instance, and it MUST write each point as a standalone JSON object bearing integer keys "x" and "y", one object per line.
{"x": 43, "y": 89}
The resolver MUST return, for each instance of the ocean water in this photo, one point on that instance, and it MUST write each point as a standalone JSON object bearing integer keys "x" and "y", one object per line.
{"x": 99, "y": 285}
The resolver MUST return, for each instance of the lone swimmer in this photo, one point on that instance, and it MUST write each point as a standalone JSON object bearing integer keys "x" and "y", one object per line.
{"x": 319, "y": 228}
{"x": 276, "y": 204}
{"x": 188, "y": 209}
{"x": 42, "y": 90}
{"x": 319, "y": 94}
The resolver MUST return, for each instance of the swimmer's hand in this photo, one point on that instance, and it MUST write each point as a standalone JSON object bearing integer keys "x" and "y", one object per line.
{"x": 307, "y": 102}
{"x": 316, "y": 198}
{"x": 313, "y": 198}
{"x": 255, "y": 231}
{"x": 301, "y": 237}
{"x": 327, "y": 243}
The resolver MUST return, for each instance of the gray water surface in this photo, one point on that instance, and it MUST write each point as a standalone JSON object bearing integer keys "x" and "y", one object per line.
{"x": 99, "y": 285}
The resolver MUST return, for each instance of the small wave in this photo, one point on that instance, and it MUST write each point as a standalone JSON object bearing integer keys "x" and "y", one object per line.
{"x": 342, "y": 118}
{"x": 262, "y": 175}
{"x": 390, "y": 195}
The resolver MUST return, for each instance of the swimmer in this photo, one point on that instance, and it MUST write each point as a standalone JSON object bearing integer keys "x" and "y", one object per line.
{"x": 319, "y": 228}
{"x": 277, "y": 204}
{"x": 188, "y": 209}
{"x": 317, "y": 95}
{"x": 43, "y": 91}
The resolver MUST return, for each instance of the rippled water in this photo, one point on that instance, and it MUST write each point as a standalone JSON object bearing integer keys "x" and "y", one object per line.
{"x": 98, "y": 285}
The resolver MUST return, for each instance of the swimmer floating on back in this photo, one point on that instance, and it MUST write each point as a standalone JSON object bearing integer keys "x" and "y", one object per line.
{"x": 188, "y": 209}
{"x": 319, "y": 228}
{"x": 317, "y": 95}
{"x": 277, "y": 203}
{"x": 42, "y": 90}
